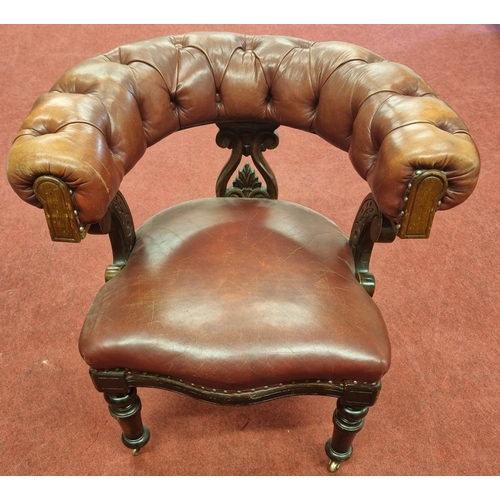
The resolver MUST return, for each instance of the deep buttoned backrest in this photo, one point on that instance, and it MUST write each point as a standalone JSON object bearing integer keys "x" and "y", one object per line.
{"x": 99, "y": 118}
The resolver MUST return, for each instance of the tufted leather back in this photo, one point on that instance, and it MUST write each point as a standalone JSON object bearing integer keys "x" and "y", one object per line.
{"x": 99, "y": 118}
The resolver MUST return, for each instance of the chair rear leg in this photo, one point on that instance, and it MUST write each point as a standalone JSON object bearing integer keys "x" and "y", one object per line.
{"x": 347, "y": 421}
{"x": 126, "y": 409}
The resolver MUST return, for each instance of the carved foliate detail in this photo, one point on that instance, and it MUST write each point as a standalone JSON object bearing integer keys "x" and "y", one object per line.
{"x": 118, "y": 223}
{"x": 247, "y": 185}
{"x": 120, "y": 210}
{"x": 370, "y": 226}
{"x": 247, "y": 139}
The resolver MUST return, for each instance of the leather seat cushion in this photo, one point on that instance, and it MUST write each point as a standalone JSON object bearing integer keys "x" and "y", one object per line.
{"x": 238, "y": 293}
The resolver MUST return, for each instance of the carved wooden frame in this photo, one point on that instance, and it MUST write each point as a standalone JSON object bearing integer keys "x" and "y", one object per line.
{"x": 370, "y": 226}
{"x": 422, "y": 198}
{"x": 247, "y": 139}
{"x": 119, "y": 225}
{"x": 119, "y": 387}
{"x": 122, "y": 380}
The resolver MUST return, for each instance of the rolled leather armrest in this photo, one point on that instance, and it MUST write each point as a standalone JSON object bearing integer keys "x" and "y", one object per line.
{"x": 99, "y": 118}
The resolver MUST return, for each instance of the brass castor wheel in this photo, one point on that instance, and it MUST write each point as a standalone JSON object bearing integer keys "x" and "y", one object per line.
{"x": 333, "y": 466}
{"x": 136, "y": 451}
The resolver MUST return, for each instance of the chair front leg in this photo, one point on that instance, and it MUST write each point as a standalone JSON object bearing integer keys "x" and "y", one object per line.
{"x": 347, "y": 421}
{"x": 126, "y": 409}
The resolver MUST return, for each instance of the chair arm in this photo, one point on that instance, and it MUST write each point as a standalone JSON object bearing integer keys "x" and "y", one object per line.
{"x": 370, "y": 226}
{"x": 64, "y": 222}
{"x": 87, "y": 138}
{"x": 422, "y": 197}
{"x": 397, "y": 136}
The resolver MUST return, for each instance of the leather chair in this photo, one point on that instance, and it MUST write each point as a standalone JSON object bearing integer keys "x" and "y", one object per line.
{"x": 175, "y": 312}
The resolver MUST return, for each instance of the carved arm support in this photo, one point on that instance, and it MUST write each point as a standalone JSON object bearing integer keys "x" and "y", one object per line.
{"x": 421, "y": 200}
{"x": 370, "y": 226}
{"x": 64, "y": 224}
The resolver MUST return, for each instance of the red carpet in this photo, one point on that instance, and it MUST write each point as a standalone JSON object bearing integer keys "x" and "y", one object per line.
{"x": 439, "y": 407}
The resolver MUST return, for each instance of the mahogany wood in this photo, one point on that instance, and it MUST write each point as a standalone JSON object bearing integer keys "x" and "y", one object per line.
{"x": 350, "y": 392}
{"x": 126, "y": 409}
{"x": 354, "y": 398}
{"x": 247, "y": 139}
{"x": 347, "y": 422}
{"x": 119, "y": 224}
{"x": 370, "y": 226}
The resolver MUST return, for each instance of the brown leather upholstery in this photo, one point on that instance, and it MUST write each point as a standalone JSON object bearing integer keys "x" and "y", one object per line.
{"x": 237, "y": 293}
{"x": 240, "y": 295}
{"x": 99, "y": 118}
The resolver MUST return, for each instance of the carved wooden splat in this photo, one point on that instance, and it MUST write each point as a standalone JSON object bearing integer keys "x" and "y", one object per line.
{"x": 247, "y": 139}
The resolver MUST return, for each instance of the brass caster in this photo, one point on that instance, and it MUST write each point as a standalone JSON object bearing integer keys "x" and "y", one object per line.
{"x": 333, "y": 466}
{"x": 136, "y": 451}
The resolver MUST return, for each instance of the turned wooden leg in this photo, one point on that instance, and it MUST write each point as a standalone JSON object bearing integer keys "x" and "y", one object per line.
{"x": 126, "y": 408}
{"x": 347, "y": 421}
